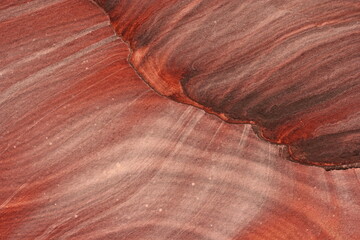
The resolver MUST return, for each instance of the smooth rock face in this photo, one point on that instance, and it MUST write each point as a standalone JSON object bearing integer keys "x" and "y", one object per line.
{"x": 89, "y": 151}
{"x": 290, "y": 67}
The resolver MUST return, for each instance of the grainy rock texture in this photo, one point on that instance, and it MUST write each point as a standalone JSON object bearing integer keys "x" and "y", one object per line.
{"x": 89, "y": 151}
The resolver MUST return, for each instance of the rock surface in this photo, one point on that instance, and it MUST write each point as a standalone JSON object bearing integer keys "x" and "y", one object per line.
{"x": 89, "y": 151}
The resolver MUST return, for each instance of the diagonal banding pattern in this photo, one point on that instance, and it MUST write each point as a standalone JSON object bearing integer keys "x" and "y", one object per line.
{"x": 88, "y": 151}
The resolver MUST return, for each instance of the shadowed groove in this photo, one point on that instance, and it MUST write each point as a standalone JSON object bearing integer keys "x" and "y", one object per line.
{"x": 282, "y": 45}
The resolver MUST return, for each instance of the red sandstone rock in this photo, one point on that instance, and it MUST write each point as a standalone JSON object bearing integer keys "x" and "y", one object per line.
{"x": 89, "y": 151}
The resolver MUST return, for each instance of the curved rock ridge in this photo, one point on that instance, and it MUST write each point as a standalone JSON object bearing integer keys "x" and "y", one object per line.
{"x": 289, "y": 67}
